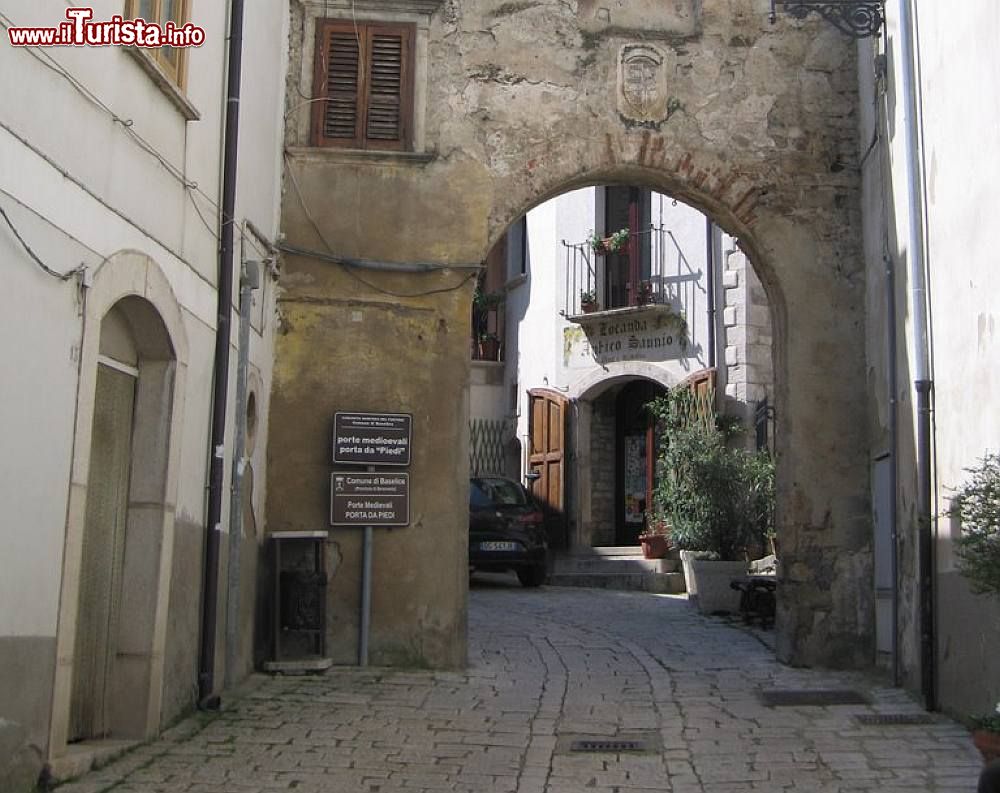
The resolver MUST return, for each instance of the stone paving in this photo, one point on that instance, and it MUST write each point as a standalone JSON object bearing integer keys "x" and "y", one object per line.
{"x": 548, "y": 667}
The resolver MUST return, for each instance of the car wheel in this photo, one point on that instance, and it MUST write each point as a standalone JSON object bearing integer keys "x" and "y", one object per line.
{"x": 531, "y": 576}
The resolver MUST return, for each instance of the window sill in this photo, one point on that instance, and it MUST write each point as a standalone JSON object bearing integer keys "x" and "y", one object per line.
{"x": 331, "y": 154}
{"x": 164, "y": 83}
{"x": 515, "y": 282}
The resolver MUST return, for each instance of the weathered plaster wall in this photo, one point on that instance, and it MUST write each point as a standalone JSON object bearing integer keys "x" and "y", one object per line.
{"x": 758, "y": 129}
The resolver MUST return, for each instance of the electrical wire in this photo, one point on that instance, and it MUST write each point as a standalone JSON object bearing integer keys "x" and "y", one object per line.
{"x": 34, "y": 256}
{"x": 350, "y": 270}
{"x": 128, "y": 126}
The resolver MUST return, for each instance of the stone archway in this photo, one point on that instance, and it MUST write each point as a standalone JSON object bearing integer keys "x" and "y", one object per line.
{"x": 518, "y": 102}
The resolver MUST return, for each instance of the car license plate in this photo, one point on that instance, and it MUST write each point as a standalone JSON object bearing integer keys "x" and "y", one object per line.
{"x": 499, "y": 546}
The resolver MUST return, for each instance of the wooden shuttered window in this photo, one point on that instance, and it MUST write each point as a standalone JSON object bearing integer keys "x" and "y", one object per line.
{"x": 364, "y": 85}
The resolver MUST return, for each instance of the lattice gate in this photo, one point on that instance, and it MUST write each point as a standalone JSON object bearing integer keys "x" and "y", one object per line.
{"x": 486, "y": 447}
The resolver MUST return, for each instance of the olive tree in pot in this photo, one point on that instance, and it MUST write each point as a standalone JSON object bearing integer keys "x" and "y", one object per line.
{"x": 720, "y": 500}
{"x": 976, "y": 505}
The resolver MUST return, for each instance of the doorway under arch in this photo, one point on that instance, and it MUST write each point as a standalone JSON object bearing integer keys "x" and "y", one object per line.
{"x": 122, "y": 542}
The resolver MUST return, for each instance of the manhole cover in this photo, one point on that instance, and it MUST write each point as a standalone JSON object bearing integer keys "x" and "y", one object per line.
{"x": 607, "y": 746}
{"x": 890, "y": 719}
{"x": 790, "y": 698}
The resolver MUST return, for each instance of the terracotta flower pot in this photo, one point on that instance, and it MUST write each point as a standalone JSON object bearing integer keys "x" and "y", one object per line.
{"x": 654, "y": 546}
{"x": 988, "y": 744}
{"x": 588, "y": 307}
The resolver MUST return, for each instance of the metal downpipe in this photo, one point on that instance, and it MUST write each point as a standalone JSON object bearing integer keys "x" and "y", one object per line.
{"x": 710, "y": 286}
{"x": 220, "y": 389}
{"x": 923, "y": 384}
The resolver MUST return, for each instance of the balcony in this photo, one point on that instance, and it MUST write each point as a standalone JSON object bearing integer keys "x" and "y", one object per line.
{"x": 649, "y": 270}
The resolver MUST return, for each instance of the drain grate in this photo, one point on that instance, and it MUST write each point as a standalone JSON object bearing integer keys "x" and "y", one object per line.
{"x": 891, "y": 719}
{"x": 790, "y": 698}
{"x": 611, "y": 745}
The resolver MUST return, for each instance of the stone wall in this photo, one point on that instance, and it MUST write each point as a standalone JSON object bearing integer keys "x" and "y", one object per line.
{"x": 748, "y": 342}
{"x": 752, "y": 123}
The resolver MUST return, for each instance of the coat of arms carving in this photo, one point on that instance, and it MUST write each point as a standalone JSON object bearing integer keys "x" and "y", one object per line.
{"x": 642, "y": 83}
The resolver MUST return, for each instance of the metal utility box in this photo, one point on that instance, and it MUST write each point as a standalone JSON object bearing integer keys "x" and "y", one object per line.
{"x": 298, "y": 630}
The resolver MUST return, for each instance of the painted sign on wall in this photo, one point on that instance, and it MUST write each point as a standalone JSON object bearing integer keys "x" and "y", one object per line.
{"x": 646, "y": 337}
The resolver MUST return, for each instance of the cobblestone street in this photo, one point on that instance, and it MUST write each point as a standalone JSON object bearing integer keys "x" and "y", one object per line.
{"x": 549, "y": 667}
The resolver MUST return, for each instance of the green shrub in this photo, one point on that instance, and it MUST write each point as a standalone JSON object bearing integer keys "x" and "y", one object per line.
{"x": 717, "y": 499}
{"x": 977, "y": 505}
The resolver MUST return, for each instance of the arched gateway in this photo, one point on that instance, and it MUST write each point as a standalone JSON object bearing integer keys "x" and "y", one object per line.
{"x": 418, "y": 130}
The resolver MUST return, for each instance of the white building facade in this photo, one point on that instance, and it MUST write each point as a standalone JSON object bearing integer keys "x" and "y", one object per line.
{"x": 677, "y": 303}
{"x": 111, "y": 168}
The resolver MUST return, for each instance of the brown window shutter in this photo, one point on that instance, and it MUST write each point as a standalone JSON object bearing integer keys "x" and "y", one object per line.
{"x": 364, "y": 79}
{"x": 336, "y": 119}
{"x": 388, "y": 109}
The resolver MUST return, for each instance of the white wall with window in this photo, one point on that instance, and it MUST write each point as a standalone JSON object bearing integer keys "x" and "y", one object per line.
{"x": 110, "y": 164}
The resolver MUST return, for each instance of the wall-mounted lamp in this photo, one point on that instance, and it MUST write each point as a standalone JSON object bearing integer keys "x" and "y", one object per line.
{"x": 857, "y": 18}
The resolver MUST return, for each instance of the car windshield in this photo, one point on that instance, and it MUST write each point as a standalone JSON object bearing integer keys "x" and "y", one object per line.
{"x": 496, "y": 492}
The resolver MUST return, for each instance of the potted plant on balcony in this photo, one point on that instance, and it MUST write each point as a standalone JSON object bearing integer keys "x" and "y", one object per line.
{"x": 655, "y": 540}
{"x": 644, "y": 295}
{"x": 489, "y": 347}
{"x": 612, "y": 244}
{"x": 588, "y": 301}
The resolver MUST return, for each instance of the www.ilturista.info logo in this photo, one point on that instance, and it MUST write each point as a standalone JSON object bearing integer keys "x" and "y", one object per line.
{"x": 80, "y": 31}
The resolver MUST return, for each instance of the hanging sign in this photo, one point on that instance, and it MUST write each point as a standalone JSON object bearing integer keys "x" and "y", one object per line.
{"x": 369, "y": 499}
{"x": 372, "y": 438}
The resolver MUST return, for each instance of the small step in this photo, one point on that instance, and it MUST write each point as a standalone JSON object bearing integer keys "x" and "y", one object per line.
{"x": 617, "y": 567}
{"x": 660, "y": 583}
{"x": 623, "y": 565}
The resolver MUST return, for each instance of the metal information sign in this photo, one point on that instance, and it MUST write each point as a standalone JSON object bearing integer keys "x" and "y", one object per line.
{"x": 372, "y": 438}
{"x": 369, "y": 499}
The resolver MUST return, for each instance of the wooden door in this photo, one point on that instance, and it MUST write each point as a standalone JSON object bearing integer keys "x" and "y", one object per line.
{"x": 103, "y": 553}
{"x": 547, "y": 458}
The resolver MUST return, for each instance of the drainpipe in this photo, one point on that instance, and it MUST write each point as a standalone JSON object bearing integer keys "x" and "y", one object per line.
{"x": 710, "y": 269}
{"x": 923, "y": 384}
{"x": 220, "y": 391}
{"x": 893, "y": 518}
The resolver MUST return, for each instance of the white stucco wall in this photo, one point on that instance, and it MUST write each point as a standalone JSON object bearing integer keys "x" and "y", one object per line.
{"x": 959, "y": 69}
{"x": 81, "y": 188}
{"x": 537, "y": 327}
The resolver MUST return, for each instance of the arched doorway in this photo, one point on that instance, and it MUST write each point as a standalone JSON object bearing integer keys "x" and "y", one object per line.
{"x": 635, "y": 459}
{"x": 122, "y": 541}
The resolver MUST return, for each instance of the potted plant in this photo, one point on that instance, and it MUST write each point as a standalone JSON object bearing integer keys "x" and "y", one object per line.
{"x": 612, "y": 244}
{"x": 489, "y": 347}
{"x": 655, "y": 540}
{"x": 976, "y": 505}
{"x": 644, "y": 295}
{"x": 588, "y": 301}
{"x": 986, "y": 735}
{"x": 719, "y": 500}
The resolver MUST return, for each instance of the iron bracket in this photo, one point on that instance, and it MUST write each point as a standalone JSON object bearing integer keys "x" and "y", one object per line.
{"x": 857, "y": 18}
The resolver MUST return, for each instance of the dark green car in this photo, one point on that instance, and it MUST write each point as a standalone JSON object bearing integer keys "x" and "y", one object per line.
{"x": 506, "y": 530}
